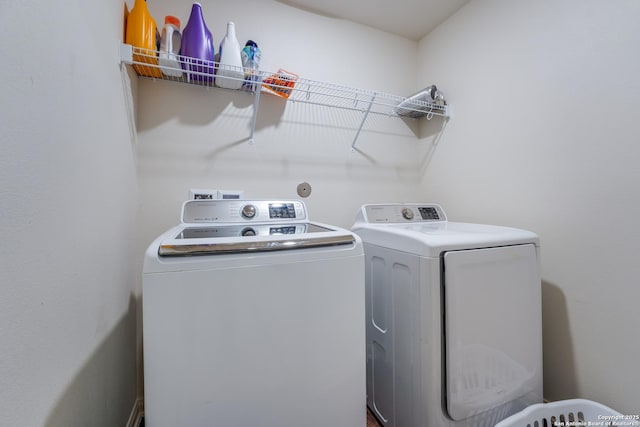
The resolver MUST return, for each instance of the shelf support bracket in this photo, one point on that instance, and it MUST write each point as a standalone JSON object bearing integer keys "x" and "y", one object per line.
{"x": 364, "y": 118}
{"x": 256, "y": 103}
{"x": 125, "y": 53}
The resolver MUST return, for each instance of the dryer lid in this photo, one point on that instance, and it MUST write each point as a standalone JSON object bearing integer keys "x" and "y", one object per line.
{"x": 434, "y": 239}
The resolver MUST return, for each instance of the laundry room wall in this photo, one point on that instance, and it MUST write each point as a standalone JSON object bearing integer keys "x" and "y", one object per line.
{"x": 190, "y": 137}
{"x": 67, "y": 218}
{"x": 544, "y": 137}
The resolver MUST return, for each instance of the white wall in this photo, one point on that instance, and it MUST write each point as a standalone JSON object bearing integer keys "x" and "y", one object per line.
{"x": 67, "y": 218}
{"x": 193, "y": 137}
{"x": 545, "y": 137}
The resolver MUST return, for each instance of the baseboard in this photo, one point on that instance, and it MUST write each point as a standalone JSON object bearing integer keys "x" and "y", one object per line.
{"x": 137, "y": 413}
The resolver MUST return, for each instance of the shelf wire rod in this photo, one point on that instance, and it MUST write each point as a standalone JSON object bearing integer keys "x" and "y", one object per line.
{"x": 256, "y": 103}
{"x": 364, "y": 118}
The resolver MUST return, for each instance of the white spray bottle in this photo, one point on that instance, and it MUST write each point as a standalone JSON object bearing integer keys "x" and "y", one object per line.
{"x": 230, "y": 74}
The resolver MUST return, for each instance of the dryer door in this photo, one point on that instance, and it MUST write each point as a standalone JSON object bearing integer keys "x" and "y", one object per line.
{"x": 493, "y": 335}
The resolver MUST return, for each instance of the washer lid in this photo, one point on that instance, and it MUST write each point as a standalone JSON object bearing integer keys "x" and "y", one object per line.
{"x": 242, "y": 238}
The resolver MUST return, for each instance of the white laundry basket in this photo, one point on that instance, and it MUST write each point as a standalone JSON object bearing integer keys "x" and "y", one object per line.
{"x": 565, "y": 413}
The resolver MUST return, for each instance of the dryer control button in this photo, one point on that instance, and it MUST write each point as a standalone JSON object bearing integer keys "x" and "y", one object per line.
{"x": 407, "y": 213}
{"x": 249, "y": 211}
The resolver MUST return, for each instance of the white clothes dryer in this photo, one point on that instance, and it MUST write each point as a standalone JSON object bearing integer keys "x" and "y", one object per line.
{"x": 253, "y": 316}
{"x": 454, "y": 334}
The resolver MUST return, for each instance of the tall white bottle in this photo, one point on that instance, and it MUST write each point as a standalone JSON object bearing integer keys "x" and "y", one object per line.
{"x": 230, "y": 74}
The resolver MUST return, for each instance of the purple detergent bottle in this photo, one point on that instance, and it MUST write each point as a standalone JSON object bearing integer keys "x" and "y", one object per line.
{"x": 197, "y": 48}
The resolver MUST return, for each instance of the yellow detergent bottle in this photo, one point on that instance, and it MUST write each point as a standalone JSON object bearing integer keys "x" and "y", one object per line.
{"x": 142, "y": 33}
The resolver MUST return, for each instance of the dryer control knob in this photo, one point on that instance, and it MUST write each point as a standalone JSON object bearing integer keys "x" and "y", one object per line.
{"x": 407, "y": 213}
{"x": 249, "y": 211}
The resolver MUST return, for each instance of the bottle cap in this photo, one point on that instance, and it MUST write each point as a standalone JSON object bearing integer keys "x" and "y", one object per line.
{"x": 251, "y": 43}
{"x": 172, "y": 20}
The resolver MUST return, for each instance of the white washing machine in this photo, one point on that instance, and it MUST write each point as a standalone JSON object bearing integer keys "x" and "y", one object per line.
{"x": 253, "y": 316}
{"x": 454, "y": 334}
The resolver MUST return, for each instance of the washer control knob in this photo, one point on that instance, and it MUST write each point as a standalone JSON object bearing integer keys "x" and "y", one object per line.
{"x": 407, "y": 213}
{"x": 248, "y": 232}
{"x": 249, "y": 211}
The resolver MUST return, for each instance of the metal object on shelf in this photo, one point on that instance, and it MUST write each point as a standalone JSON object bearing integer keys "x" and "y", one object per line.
{"x": 422, "y": 103}
{"x": 312, "y": 92}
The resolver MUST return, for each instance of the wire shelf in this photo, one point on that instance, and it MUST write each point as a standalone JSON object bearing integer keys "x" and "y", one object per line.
{"x": 203, "y": 73}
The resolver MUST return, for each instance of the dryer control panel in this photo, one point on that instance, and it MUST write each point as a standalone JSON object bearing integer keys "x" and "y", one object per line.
{"x": 402, "y": 213}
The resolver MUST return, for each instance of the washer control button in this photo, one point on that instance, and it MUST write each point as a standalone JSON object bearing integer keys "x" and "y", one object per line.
{"x": 407, "y": 213}
{"x": 248, "y": 232}
{"x": 249, "y": 211}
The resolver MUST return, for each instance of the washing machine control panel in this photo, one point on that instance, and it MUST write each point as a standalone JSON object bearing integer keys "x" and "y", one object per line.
{"x": 403, "y": 213}
{"x": 234, "y": 211}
